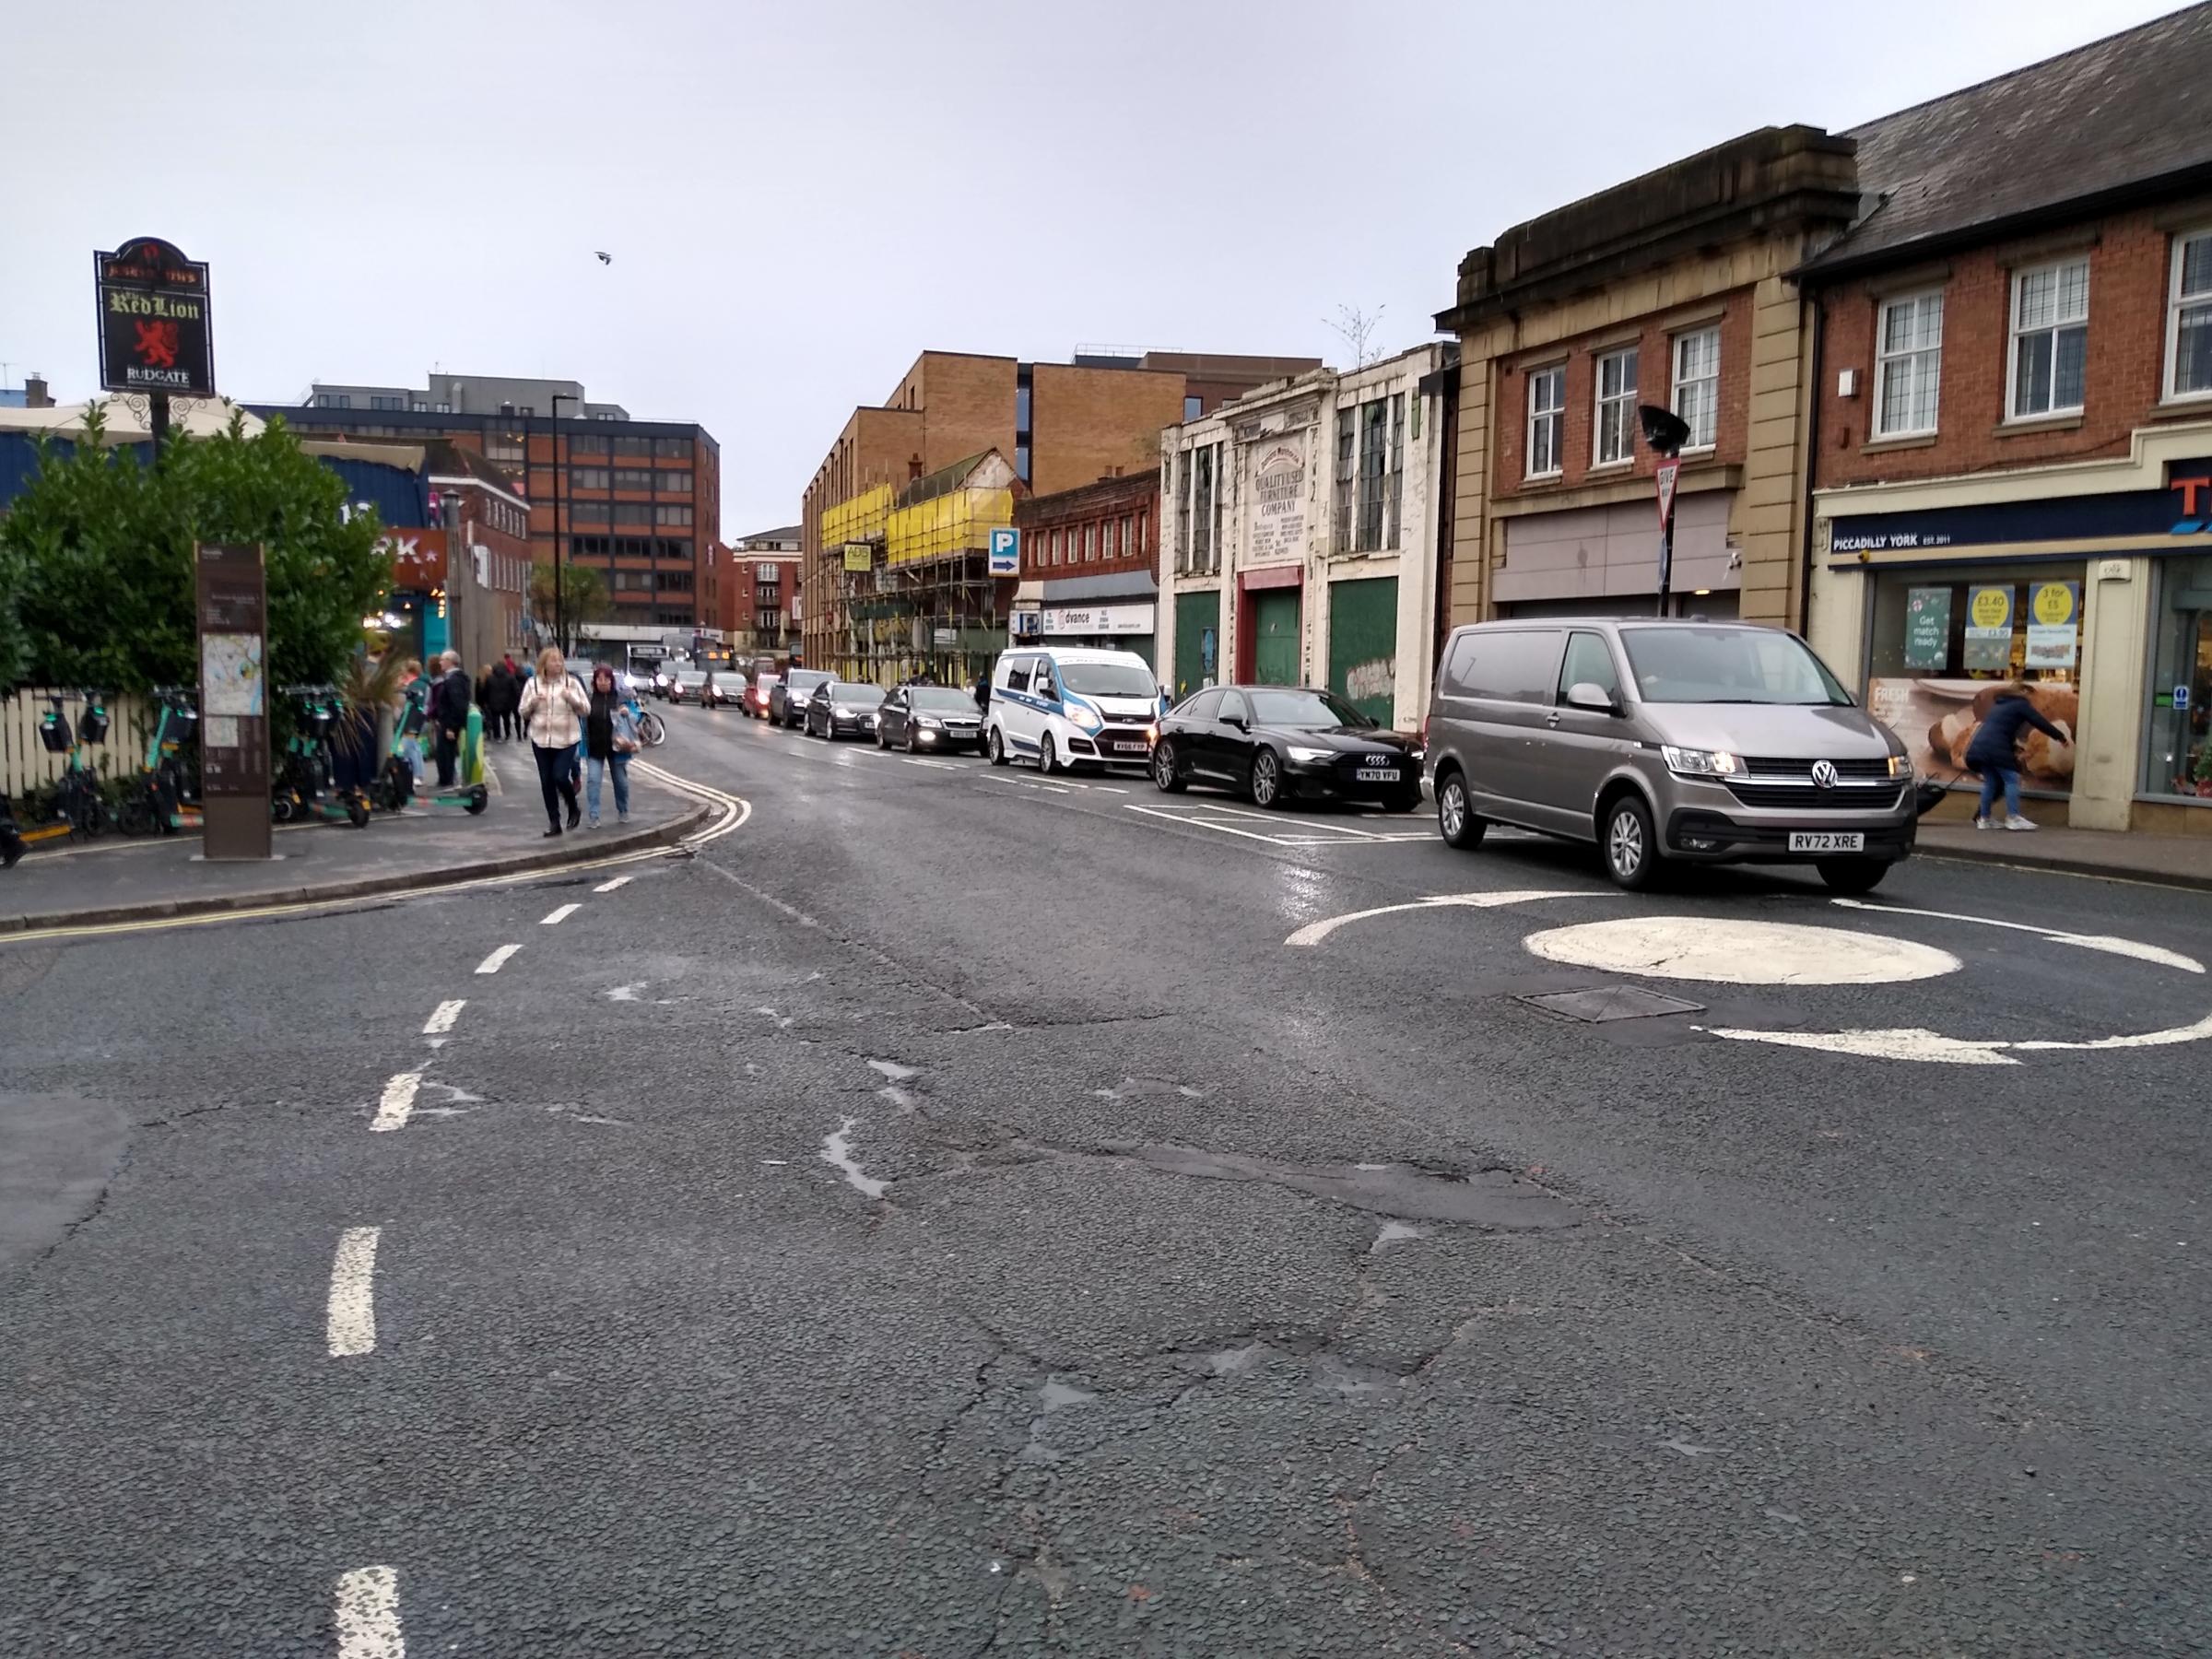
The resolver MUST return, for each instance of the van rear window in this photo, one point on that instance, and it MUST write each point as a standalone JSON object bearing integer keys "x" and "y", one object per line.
{"x": 1509, "y": 664}
{"x": 1017, "y": 676}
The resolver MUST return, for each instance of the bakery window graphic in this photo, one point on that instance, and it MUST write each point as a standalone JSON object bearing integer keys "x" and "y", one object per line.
{"x": 1943, "y": 652}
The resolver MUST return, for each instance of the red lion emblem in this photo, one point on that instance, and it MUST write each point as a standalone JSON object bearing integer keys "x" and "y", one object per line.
{"x": 157, "y": 344}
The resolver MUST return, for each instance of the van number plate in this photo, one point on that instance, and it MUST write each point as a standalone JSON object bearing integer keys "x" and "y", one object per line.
{"x": 1375, "y": 774}
{"x": 1128, "y": 749}
{"x": 1826, "y": 841}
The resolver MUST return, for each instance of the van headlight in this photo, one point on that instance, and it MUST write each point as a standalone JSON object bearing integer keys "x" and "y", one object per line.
{"x": 1901, "y": 766}
{"x": 1085, "y": 718}
{"x": 1701, "y": 763}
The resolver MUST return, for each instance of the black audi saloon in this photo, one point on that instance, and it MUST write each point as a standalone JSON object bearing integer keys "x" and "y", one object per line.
{"x": 1279, "y": 743}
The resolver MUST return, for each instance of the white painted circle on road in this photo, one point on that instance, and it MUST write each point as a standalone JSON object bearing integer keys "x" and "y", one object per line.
{"x": 1722, "y": 951}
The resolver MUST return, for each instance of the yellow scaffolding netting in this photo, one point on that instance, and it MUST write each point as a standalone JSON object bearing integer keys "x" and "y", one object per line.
{"x": 958, "y": 522}
{"x": 858, "y": 519}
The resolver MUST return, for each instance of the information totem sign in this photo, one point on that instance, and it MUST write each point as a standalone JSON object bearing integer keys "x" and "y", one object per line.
{"x": 155, "y": 333}
{"x": 234, "y": 700}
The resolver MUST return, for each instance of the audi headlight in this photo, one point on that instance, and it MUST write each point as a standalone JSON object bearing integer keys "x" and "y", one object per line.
{"x": 1901, "y": 766}
{"x": 1085, "y": 718}
{"x": 842, "y": 712}
{"x": 1307, "y": 756}
{"x": 1701, "y": 763}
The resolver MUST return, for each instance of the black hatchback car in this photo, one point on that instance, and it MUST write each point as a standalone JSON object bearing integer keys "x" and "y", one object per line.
{"x": 1284, "y": 742}
{"x": 842, "y": 708}
{"x": 925, "y": 718}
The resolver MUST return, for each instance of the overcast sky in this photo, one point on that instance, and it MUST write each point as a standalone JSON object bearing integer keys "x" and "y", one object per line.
{"x": 800, "y": 197}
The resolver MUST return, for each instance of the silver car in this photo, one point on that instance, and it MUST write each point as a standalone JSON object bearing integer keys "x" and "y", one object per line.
{"x": 1663, "y": 740}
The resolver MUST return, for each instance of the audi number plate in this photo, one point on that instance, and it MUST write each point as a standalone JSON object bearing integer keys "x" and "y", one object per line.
{"x": 1375, "y": 774}
{"x": 1826, "y": 841}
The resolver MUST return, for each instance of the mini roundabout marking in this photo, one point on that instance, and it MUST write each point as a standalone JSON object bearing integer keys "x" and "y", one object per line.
{"x": 1736, "y": 951}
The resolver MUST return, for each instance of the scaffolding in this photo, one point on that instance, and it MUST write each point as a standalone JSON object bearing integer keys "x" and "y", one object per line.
{"x": 927, "y": 603}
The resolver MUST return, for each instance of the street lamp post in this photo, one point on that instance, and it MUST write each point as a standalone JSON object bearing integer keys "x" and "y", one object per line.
{"x": 560, "y": 627}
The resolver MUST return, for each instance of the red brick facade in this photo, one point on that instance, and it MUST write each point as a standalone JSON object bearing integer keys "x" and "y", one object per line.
{"x": 1101, "y": 529}
{"x": 2130, "y": 280}
{"x": 1653, "y": 338}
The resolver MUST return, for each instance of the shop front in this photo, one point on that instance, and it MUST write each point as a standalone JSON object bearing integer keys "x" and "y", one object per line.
{"x": 1604, "y": 560}
{"x": 1119, "y": 627}
{"x": 2098, "y": 605}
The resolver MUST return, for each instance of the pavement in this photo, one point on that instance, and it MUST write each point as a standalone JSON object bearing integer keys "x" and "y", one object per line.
{"x": 121, "y": 881}
{"x": 960, "y": 1211}
{"x": 2182, "y": 861}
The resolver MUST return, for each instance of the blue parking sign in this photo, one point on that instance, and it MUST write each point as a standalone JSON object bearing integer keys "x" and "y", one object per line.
{"x": 1005, "y": 552}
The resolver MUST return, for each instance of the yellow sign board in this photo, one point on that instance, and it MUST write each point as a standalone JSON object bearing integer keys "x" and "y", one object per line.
{"x": 1991, "y": 607}
{"x": 2054, "y": 603}
{"x": 859, "y": 556}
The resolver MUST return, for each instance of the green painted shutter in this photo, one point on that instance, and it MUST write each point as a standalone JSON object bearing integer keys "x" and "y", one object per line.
{"x": 1197, "y": 640}
{"x": 1364, "y": 645}
{"x": 1274, "y": 620}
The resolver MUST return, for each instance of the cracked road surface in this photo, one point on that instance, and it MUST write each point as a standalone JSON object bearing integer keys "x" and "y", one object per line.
{"x": 944, "y": 1219}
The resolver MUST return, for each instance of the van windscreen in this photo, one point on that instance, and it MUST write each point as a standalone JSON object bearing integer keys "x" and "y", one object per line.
{"x": 1676, "y": 664}
{"x": 1108, "y": 680}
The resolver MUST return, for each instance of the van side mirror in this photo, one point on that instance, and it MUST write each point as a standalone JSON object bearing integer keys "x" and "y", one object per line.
{"x": 1586, "y": 694}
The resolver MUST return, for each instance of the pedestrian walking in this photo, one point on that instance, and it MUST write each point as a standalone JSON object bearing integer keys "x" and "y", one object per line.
{"x": 553, "y": 707}
{"x": 610, "y": 739}
{"x": 501, "y": 690}
{"x": 982, "y": 688}
{"x": 448, "y": 714}
{"x": 1994, "y": 753}
{"x": 414, "y": 716}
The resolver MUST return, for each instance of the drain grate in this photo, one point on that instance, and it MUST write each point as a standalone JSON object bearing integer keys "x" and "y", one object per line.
{"x": 1611, "y": 1002}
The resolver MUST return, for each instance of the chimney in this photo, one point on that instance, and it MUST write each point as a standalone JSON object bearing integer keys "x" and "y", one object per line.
{"x": 913, "y": 469}
{"x": 35, "y": 396}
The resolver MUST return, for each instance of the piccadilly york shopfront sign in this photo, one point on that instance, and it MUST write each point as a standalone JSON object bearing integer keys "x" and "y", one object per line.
{"x": 2183, "y": 508}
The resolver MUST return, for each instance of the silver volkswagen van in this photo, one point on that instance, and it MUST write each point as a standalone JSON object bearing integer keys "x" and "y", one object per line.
{"x": 1660, "y": 740}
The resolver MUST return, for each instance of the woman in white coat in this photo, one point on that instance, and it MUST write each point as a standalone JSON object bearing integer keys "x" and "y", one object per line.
{"x": 552, "y": 712}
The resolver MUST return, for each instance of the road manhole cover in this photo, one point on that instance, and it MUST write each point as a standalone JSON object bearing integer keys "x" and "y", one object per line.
{"x": 1611, "y": 1002}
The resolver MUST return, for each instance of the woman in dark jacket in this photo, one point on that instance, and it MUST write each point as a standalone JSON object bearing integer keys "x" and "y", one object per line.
{"x": 1994, "y": 753}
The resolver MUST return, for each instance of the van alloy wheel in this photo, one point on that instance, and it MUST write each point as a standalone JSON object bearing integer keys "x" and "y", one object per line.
{"x": 1048, "y": 761}
{"x": 994, "y": 746}
{"x": 1631, "y": 859}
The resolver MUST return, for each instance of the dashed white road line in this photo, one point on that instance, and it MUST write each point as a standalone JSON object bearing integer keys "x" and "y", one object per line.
{"x": 497, "y": 959}
{"x": 351, "y": 1324}
{"x": 398, "y": 1099}
{"x": 366, "y": 1615}
{"x": 443, "y": 1017}
{"x": 609, "y": 887}
{"x": 561, "y": 915}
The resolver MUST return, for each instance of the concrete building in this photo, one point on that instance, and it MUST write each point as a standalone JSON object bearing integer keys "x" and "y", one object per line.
{"x": 1055, "y": 425}
{"x": 1674, "y": 288}
{"x": 639, "y": 500}
{"x": 1301, "y": 530}
{"x": 1089, "y": 563}
{"x": 2014, "y": 425}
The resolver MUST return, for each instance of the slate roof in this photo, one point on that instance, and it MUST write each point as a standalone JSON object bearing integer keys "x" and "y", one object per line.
{"x": 2105, "y": 120}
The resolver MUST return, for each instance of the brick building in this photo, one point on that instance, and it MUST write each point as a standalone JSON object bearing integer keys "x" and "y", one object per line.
{"x": 1054, "y": 426}
{"x": 760, "y": 593}
{"x": 2014, "y": 416}
{"x": 1674, "y": 288}
{"x": 1087, "y": 560}
{"x": 1301, "y": 534}
{"x": 639, "y": 500}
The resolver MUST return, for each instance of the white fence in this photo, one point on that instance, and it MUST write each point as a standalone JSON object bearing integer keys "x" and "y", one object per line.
{"x": 24, "y": 760}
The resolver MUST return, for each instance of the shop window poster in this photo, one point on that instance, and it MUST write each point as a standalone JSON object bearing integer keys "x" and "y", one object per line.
{"x": 1989, "y": 630}
{"x": 1928, "y": 627}
{"x": 1936, "y": 720}
{"x": 2055, "y": 625}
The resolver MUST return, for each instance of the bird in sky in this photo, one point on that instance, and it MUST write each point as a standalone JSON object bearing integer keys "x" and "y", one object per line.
{"x": 606, "y": 259}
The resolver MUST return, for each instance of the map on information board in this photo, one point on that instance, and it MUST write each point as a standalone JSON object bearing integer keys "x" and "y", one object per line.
{"x": 230, "y": 676}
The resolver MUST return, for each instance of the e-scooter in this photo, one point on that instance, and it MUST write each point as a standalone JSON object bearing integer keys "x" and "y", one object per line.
{"x": 394, "y": 786}
{"x": 79, "y": 806}
{"x": 159, "y": 799}
{"x": 298, "y": 793}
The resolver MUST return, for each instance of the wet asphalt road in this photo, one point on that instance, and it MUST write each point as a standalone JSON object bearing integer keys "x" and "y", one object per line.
{"x": 945, "y": 1216}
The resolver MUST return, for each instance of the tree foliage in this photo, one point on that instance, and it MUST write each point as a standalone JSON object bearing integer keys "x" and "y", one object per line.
{"x": 583, "y": 598}
{"x": 101, "y": 546}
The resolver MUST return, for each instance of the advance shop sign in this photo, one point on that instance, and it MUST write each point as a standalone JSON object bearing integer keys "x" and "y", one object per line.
{"x": 1098, "y": 619}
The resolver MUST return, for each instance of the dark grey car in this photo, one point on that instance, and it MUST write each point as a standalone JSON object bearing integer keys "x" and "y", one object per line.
{"x": 1662, "y": 740}
{"x": 787, "y": 703}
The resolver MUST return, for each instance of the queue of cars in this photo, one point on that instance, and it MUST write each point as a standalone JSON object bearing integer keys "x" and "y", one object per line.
{"x": 1657, "y": 741}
